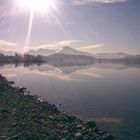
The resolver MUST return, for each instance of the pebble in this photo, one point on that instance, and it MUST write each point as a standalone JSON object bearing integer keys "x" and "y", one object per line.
{"x": 78, "y": 134}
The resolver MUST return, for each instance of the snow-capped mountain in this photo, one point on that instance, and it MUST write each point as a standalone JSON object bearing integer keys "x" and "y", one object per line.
{"x": 63, "y": 50}
{"x": 71, "y": 51}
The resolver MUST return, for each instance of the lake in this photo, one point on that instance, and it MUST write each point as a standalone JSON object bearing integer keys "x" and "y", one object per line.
{"x": 108, "y": 93}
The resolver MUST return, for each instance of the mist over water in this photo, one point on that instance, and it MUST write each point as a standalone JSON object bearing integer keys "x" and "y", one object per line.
{"x": 108, "y": 93}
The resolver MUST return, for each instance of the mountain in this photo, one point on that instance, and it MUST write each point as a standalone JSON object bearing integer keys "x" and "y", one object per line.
{"x": 63, "y": 50}
{"x": 135, "y": 58}
{"x": 8, "y": 53}
{"x": 71, "y": 51}
{"x": 43, "y": 52}
{"x": 118, "y": 55}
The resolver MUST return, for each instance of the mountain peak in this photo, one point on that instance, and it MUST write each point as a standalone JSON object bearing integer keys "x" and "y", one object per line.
{"x": 67, "y": 47}
{"x": 71, "y": 51}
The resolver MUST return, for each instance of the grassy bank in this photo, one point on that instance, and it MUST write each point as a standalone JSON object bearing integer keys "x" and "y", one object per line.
{"x": 26, "y": 117}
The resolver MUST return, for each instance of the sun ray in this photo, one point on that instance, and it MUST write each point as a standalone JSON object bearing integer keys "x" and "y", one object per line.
{"x": 29, "y": 31}
{"x": 41, "y": 6}
{"x": 46, "y": 8}
{"x": 60, "y": 24}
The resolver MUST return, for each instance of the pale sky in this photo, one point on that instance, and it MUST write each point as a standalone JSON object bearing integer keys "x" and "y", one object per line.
{"x": 95, "y": 26}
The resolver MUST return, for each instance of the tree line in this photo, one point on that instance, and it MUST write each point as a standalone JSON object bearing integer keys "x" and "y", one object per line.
{"x": 20, "y": 58}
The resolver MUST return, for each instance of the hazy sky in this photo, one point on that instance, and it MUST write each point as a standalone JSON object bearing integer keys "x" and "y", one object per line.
{"x": 88, "y": 25}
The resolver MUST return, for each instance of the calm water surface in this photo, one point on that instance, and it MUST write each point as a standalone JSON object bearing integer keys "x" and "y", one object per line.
{"x": 107, "y": 93}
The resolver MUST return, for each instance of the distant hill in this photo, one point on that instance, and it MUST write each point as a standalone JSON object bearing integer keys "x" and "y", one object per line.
{"x": 132, "y": 58}
{"x": 8, "y": 53}
{"x": 43, "y": 52}
{"x": 117, "y": 55}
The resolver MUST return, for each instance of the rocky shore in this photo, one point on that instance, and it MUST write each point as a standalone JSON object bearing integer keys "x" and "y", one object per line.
{"x": 27, "y": 117}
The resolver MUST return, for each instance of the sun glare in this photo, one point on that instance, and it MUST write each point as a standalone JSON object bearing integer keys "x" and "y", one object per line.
{"x": 43, "y": 7}
{"x": 36, "y": 5}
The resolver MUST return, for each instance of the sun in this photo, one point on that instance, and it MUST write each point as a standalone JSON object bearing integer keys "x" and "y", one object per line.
{"x": 36, "y": 5}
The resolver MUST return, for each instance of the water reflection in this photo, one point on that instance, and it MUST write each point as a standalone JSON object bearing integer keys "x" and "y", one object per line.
{"x": 64, "y": 72}
{"x": 65, "y": 69}
{"x": 105, "y": 92}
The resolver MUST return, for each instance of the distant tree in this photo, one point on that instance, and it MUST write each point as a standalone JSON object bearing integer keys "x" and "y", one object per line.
{"x": 18, "y": 57}
{"x": 31, "y": 58}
